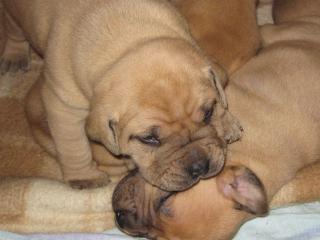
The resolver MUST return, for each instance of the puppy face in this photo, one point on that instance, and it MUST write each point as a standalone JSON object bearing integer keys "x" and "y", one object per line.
{"x": 164, "y": 107}
{"x": 213, "y": 209}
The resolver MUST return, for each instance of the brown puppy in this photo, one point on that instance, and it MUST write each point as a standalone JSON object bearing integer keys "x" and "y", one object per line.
{"x": 276, "y": 94}
{"x": 192, "y": 214}
{"x": 135, "y": 78}
{"x": 226, "y": 30}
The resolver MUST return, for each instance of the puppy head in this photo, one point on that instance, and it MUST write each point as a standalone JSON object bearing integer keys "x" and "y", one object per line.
{"x": 212, "y": 209}
{"x": 164, "y": 106}
{"x": 137, "y": 204}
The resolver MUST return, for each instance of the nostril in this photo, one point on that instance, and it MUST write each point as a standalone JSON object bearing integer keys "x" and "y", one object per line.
{"x": 199, "y": 168}
{"x": 206, "y": 167}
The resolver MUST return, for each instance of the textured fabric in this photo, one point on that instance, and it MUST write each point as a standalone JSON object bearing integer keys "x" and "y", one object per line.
{"x": 42, "y": 205}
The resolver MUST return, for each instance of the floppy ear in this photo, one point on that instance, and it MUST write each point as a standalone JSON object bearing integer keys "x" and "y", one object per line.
{"x": 111, "y": 136}
{"x": 242, "y": 186}
{"x": 104, "y": 130}
{"x": 219, "y": 80}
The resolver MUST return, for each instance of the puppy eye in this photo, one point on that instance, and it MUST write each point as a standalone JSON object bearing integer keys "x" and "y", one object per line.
{"x": 208, "y": 115}
{"x": 150, "y": 140}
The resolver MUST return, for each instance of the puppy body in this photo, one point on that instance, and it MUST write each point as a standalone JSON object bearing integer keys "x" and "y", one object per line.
{"x": 226, "y": 30}
{"x": 276, "y": 95}
{"x": 118, "y": 74}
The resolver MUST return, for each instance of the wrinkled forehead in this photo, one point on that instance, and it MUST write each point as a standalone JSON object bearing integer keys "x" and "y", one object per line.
{"x": 165, "y": 103}
{"x": 181, "y": 85}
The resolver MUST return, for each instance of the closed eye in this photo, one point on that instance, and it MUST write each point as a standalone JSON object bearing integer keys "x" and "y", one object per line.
{"x": 208, "y": 111}
{"x": 150, "y": 137}
{"x": 150, "y": 140}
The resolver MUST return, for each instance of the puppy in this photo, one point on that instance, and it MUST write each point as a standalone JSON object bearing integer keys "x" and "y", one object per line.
{"x": 191, "y": 214}
{"x": 128, "y": 75}
{"x": 226, "y": 30}
{"x": 276, "y": 94}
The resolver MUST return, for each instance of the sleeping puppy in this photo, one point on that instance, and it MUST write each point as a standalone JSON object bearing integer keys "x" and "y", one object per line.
{"x": 226, "y": 30}
{"x": 276, "y": 94}
{"x": 202, "y": 212}
{"x": 128, "y": 75}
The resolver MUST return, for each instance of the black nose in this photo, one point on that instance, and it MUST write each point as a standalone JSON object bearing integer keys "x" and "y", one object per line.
{"x": 199, "y": 168}
{"x": 121, "y": 218}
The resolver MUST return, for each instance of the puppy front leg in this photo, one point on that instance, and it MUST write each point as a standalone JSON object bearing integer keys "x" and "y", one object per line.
{"x": 67, "y": 126}
{"x": 114, "y": 166}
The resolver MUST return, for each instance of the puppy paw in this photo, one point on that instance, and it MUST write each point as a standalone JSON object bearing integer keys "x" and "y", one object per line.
{"x": 232, "y": 128}
{"x": 89, "y": 183}
{"x": 86, "y": 178}
{"x": 15, "y": 57}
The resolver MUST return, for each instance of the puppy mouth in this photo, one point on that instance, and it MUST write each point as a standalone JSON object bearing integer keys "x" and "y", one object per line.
{"x": 214, "y": 169}
{"x": 179, "y": 169}
{"x": 181, "y": 179}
